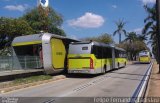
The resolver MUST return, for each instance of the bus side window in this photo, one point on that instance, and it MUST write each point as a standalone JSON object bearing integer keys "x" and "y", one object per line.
{"x": 104, "y": 53}
{"x": 108, "y": 53}
{"x": 97, "y": 51}
{"x": 100, "y": 52}
{"x": 121, "y": 54}
{"x": 116, "y": 53}
{"x": 124, "y": 55}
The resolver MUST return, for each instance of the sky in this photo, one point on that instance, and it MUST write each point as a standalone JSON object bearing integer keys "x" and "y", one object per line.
{"x": 87, "y": 18}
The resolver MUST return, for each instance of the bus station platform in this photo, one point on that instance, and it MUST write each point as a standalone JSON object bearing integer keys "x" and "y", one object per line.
{"x": 10, "y": 75}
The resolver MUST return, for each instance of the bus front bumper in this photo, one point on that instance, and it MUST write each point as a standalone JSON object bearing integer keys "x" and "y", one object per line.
{"x": 84, "y": 71}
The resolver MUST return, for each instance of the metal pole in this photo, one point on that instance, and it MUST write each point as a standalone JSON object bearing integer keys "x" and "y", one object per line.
{"x": 158, "y": 29}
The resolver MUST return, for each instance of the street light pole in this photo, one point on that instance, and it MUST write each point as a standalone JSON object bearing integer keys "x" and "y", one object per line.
{"x": 158, "y": 29}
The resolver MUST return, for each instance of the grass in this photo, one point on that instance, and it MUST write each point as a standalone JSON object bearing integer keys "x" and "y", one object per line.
{"x": 31, "y": 79}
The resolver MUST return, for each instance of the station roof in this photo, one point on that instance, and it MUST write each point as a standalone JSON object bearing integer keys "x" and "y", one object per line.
{"x": 34, "y": 39}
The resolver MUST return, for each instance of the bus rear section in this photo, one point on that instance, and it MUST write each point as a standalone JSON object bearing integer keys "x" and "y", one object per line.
{"x": 144, "y": 57}
{"x": 80, "y": 59}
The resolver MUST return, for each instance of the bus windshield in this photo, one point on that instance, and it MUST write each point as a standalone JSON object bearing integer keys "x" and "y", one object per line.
{"x": 80, "y": 49}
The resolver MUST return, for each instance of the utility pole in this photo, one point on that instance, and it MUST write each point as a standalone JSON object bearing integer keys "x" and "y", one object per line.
{"x": 158, "y": 29}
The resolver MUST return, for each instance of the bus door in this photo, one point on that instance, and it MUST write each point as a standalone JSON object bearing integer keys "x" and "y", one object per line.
{"x": 105, "y": 56}
{"x": 113, "y": 58}
{"x": 99, "y": 56}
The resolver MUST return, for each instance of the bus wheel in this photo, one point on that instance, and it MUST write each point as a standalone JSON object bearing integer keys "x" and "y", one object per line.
{"x": 118, "y": 65}
{"x": 104, "y": 69}
{"x": 125, "y": 64}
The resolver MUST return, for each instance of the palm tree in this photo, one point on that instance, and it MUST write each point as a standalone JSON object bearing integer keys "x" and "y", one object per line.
{"x": 136, "y": 44}
{"x": 120, "y": 29}
{"x": 142, "y": 37}
{"x": 131, "y": 37}
{"x": 151, "y": 28}
{"x": 151, "y": 18}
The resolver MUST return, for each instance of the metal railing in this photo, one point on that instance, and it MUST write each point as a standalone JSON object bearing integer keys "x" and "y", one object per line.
{"x": 8, "y": 63}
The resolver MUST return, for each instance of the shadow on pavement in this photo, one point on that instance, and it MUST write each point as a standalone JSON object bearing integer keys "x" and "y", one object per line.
{"x": 129, "y": 74}
{"x": 82, "y": 75}
{"x": 137, "y": 62}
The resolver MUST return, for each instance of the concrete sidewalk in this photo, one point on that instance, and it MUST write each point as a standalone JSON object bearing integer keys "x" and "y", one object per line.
{"x": 7, "y": 75}
{"x": 154, "y": 82}
{"x": 14, "y": 72}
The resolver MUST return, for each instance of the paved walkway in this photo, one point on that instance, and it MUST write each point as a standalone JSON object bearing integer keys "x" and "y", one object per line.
{"x": 154, "y": 83}
{"x": 10, "y": 75}
{"x": 15, "y": 72}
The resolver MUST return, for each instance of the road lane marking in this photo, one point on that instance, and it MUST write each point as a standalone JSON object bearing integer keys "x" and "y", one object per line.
{"x": 93, "y": 82}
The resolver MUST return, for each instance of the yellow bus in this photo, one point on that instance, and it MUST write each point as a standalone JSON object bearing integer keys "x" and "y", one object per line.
{"x": 93, "y": 57}
{"x": 144, "y": 56}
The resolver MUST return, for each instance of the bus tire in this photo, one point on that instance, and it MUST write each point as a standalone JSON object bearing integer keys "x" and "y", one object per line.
{"x": 125, "y": 64}
{"x": 105, "y": 69}
{"x": 118, "y": 65}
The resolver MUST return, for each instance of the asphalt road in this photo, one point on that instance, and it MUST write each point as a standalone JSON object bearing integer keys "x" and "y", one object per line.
{"x": 118, "y": 83}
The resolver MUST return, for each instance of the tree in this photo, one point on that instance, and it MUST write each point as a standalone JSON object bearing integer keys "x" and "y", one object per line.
{"x": 120, "y": 29}
{"x": 150, "y": 28}
{"x": 34, "y": 21}
{"x": 133, "y": 48}
{"x": 133, "y": 36}
{"x": 41, "y": 20}
{"x": 133, "y": 44}
{"x": 11, "y": 28}
{"x": 104, "y": 38}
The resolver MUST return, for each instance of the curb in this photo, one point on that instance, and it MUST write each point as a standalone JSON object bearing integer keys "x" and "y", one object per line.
{"x": 148, "y": 85}
{"x": 9, "y": 89}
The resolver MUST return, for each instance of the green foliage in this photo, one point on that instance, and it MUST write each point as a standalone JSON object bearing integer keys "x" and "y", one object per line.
{"x": 34, "y": 21}
{"x": 10, "y": 28}
{"x": 150, "y": 28}
{"x": 46, "y": 20}
{"x": 104, "y": 38}
{"x": 6, "y": 51}
{"x": 133, "y": 48}
{"x": 133, "y": 36}
{"x": 133, "y": 44}
{"x": 32, "y": 79}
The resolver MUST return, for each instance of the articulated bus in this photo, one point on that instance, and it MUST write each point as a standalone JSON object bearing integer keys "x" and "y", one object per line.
{"x": 51, "y": 49}
{"x": 144, "y": 56}
{"x": 93, "y": 57}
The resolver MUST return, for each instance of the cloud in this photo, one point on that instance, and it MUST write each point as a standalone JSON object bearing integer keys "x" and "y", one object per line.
{"x": 114, "y": 6}
{"x": 148, "y": 1}
{"x": 88, "y": 20}
{"x": 16, "y": 7}
{"x": 138, "y": 30}
{"x": 72, "y": 37}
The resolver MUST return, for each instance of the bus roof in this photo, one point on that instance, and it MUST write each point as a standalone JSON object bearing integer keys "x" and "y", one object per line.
{"x": 91, "y": 42}
{"x": 98, "y": 44}
{"x": 144, "y": 51}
